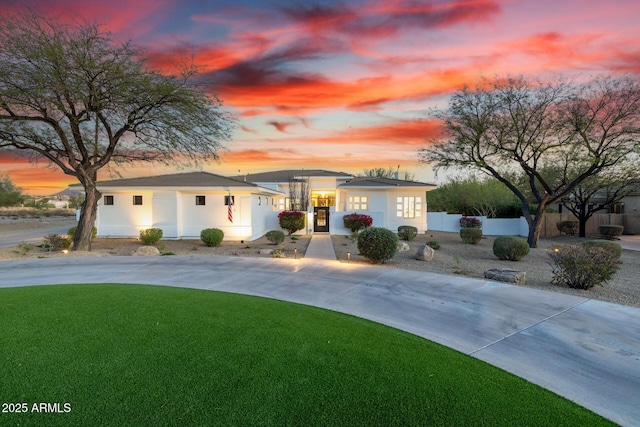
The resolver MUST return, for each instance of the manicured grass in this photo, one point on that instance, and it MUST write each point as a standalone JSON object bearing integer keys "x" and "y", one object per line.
{"x": 142, "y": 355}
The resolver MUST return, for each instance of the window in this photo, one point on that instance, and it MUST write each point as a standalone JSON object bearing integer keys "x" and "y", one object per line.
{"x": 226, "y": 200}
{"x": 108, "y": 200}
{"x": 356, "y": 203}
{"x": 408, "y": 207}
{"x": 200, "y": 201}
{"x": 137, "y": 200}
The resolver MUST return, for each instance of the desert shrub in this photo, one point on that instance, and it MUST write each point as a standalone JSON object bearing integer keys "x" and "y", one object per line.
{"x": 72, "y": 232}
{"x": 212, "y": 236}
{"x": 377, "y": 244}
{"x": 470, "y": 222}
{"x": 407, "y": 232}
{"x": 471, "y": 235}
{"x": 433, "y": 244}
{"x": 56, "y": 242}
{"x": 612, "y": 247}
{"x": 356, "y": 222}
{"x": 275, "y": 236}
{"x": 610, "y": 232}
{"x": 510, "y": 248}
{"x": 567, "y": 227}
{"x": 277, "y": 253}
{"x": 291, "y": 221}
{"x": 25, "y": 247}
{"x": 581, "y": 267}
{"x": 150, "y": 236}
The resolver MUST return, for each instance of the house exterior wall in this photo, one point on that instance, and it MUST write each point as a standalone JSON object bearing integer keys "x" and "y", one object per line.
{"x": 123, "y": 218}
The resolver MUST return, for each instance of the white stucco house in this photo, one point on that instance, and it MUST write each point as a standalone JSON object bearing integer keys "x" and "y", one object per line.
{"x": 184, "y": 204}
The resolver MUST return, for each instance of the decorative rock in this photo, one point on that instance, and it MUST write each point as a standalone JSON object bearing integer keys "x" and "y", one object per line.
{"x": 146, "y": 251}
{"x": 403, "y": 247}
{"x": 425, "y": 253}
{"x": 506, "y": 275}
{"x": 266, "y": 251}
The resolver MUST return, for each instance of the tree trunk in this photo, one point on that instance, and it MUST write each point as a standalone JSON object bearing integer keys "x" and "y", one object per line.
{"x": 88, "y": 211}
{"x": 582, "y": 223}
{"x": 535, "y": 228}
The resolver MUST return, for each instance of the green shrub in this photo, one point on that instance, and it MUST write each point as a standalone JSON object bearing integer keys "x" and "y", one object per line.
{"x": 567, "y": 227}
{"x": 291, "y": 221}
{"x": 611, "y": 232}
{"x": 377, "y": 244}
{"x": 580, "y": 267}
{"x": 614, "y": 248}
{"x": 275, "y": 236}
{"x": 56, "y": 242}
{"x": 356, "y": 222}
{"x": 212, "y": 236}
{"x": 277, "y": 253}
{"x": 407, "y": 232}
{"x": 25, "y": 247}
{"x": 510, "y": 248}
{"x": 150, "y": 236}
{"x": 72, "y": 232}
{"x": 471, "y": 235}
{"x": 433, "y": 244}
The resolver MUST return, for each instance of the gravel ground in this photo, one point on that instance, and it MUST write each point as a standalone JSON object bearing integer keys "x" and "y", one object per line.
{"x": 453, "y": 257}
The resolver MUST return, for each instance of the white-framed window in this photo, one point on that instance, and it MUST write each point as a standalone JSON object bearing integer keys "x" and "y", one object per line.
{"x": 408, "y": 207}
{"x": 358, "y": 203}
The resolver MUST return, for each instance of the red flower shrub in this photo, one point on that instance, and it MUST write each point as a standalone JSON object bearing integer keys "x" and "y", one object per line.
{"x": 470, "y": 222}
{"x": 356, "y": 222}
{"x": 291, "y": 221}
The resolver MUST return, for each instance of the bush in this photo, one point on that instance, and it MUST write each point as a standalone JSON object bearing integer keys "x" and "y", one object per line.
{"x": 567, "y": 227}
{"x": 56, "y": 242}
{"x": 291, "y": 221}
{"x": 212, "y": 236}
{"x": 356, "y": 222}
{"x": 580, "y": 267}
{"x": 275, "y": 236}
{"x": 72, "y": 232}
{"x": 470, "y": 222}
{"x": 377, "y": 244}
{"x": 471, "y": 235}
{"x": 611, "y": 232}
{"x": 407, "y": 232}
{"x": 150, "y": 236}
{"x": 277, "y": 253}
{"x": 433, "y": 244}
{"x": 612, "y": 247}
{"x": 510, "y": 248}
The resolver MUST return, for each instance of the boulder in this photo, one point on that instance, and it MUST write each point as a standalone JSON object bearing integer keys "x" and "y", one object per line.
{"x": 266, "y": 251}
{"x": 506, "y": 275}
{"x": 403, "y": 247}
{"x": 425, "y": 253}
{"x": 146, "y": 251}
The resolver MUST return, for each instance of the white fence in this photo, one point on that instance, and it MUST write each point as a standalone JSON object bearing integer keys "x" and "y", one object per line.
{"x": 442, "y": 221}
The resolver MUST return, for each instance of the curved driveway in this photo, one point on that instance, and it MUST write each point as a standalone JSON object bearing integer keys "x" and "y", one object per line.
{"x": 585, "y": 350}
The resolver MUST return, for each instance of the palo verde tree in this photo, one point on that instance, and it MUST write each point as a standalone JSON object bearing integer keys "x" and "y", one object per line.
{"x": 72, "y": 95}
{"x": 10, "y": 195}
{"x": 509, "y": 127}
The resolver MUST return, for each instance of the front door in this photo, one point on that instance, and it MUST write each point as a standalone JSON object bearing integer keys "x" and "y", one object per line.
{"x": 321, "y": 219}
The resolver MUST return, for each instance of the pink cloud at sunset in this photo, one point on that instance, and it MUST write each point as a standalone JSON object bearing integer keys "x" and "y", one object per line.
{"x": 350, "y": 83}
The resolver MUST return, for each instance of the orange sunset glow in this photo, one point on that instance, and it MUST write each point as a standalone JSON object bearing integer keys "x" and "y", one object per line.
{"x": 347, "y": 85}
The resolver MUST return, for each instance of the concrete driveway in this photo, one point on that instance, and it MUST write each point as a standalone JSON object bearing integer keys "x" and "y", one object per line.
{"x": 585, "y": 350}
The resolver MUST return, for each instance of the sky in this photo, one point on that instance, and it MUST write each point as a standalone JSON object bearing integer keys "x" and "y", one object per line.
{"x": 348, "y": 85}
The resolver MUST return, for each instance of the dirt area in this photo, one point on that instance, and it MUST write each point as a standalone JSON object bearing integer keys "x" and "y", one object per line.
{"x": 454, "y": 257}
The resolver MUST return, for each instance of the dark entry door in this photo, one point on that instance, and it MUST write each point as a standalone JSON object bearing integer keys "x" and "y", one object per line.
{"x": 321, "y": 219}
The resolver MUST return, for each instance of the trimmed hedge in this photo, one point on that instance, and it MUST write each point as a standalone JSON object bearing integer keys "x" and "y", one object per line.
{"x": 275, "y": 236}
{"x": 470, "y": 222}
{"x": 612, "y": 247}
{"x": 291, "y": 221}
{"x": 611, "y": 232}
{"x": 212, "y": 236}
{"x": 356, "y": 222}
{"x": 150, "y": 236}
{"x": 377, "y": 244}
{"x": 471, "y": 235}
{"x": 510, "y": 248}
{"x": 407, "y": 232}
{"x": 567, "y": 227}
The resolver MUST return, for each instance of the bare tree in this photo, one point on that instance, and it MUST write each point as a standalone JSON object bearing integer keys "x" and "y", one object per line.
{"x": 73, "y": 96}
{"x": 507, "y": 127}
{"x": 390, "y": 172}
{"x": 298, "y": 193}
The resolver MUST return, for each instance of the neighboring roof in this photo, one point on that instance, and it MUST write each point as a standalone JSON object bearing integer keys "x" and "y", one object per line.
{"x": 288, "y": 174}
{"x": 373, "y": 182}
{"x": 67, "y": 192}
{"x": 188, "y": 179}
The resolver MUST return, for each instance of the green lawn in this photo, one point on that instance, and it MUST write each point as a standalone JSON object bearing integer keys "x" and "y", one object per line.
{"x": 150, "y": 356}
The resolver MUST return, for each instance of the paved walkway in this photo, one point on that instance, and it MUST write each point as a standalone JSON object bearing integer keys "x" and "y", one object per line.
{"x": 320, "y": 248}
{"x": 585, "y": 350}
